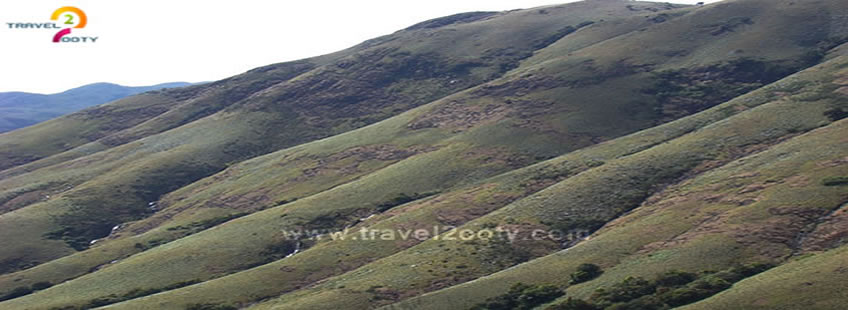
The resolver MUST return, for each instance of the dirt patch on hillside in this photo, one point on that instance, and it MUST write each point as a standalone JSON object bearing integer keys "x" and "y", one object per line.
{"x": 521, "y": 86}
{"x": 830, "y": 233}
{"x": 503, "y": 100}
{"x": 348, "y": 161}
{"x": 22, "y": 200}
{"x": 833, "y": 163}
{"x": 460, "y": 115}
{"x": 499, "y": 156}
{"x": 475, "y": 203}
{"x": 798, "y": 181}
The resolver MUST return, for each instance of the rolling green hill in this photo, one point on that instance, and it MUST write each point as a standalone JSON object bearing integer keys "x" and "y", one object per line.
{"x": 695, "y": 156}
{"x": 19, "y": 109}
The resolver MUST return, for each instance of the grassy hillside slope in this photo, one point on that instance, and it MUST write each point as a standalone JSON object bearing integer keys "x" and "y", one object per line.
{"x": 444, "y": 176}
{"x": 463, "y": 204}
{"x": 813, "y": 282}
{"x": 373, "y": 82}
{"x": 718, "y": 143}
{"x": 604, "y": 193}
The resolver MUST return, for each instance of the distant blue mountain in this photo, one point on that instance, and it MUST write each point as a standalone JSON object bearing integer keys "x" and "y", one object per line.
{"x": 19, "y": 109}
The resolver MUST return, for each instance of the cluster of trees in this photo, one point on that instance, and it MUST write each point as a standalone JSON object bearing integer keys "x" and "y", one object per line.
{"x": 668, "y": 290}
{"x": 522, "y": 297}
{"x": 665, "y": 291}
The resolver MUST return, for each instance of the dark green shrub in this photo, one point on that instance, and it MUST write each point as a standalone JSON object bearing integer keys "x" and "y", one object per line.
{"x": 835, "y": 181}
{"x": 670, "y": 289}
{"x": 836, "y": 114}
{"x": 102, "y": 301}
{"x": 742, "y": 271}
{"x": 749, "y": 270}
{"x": 624, "y": 291}
{"x": 585, "y": 272}
{"x": 210, "y": 307}
{"x": 537, "y": 295}
{"x": 675, "y": 278}
{"x": 181, "y": 284}
{"x": 278, "y": 250}
{"x": 542, "y": 43}
{"x": 574, "y": 304}
{"x": 641, "y": 303}
{"x": 684, "y": 296}
{"x": 713, "y": 283}
{"x": 584, "y": 24}
{"x": 136, "y": 293}
{"x": 399, "y": 200}
{"x": 521, "y": 297}
{"x": 41, "y": 286}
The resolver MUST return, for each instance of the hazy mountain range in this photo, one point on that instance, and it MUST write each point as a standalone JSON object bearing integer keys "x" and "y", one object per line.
{"x": 20, "y": 109}
{"x": 601, "y": 154}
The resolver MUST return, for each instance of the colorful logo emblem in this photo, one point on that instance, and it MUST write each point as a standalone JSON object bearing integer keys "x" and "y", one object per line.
{"x": 68, "y": 20}
{"x": 65, "y": 18}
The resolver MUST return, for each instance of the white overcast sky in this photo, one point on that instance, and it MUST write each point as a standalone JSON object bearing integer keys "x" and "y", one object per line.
{"x": 155, "y": 41}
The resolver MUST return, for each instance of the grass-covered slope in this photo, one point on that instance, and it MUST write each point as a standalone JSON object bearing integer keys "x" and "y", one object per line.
{"x": 443, "y": 177}
{"x": 114, "y": 178}
{"x": 711, "y": 140}
{"x": 603, "y": 193}
{"x": 100, "y": 127}
{"x": 462, "y": 205}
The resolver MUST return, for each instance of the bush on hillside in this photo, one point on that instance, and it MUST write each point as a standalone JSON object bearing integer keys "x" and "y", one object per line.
{"x": 401, "y": 199}
{"x": 574, "y": 304}
{"x": 836, "y": 114}
{"x": 585, "y": 272}
{"x": 624, "y": 291}
{"x": 38, "y": 286}
{"x": 675, "y": 278}
{"x": 667, "y": 290}
{"x": 647, "y": 302}
{"x": 210, "y": 307}
{"x": 521, "y": 297}
{"x": 835, "y": 181}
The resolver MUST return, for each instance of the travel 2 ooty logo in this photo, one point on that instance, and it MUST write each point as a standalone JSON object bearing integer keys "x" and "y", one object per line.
{"x": 67, "y": 20}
